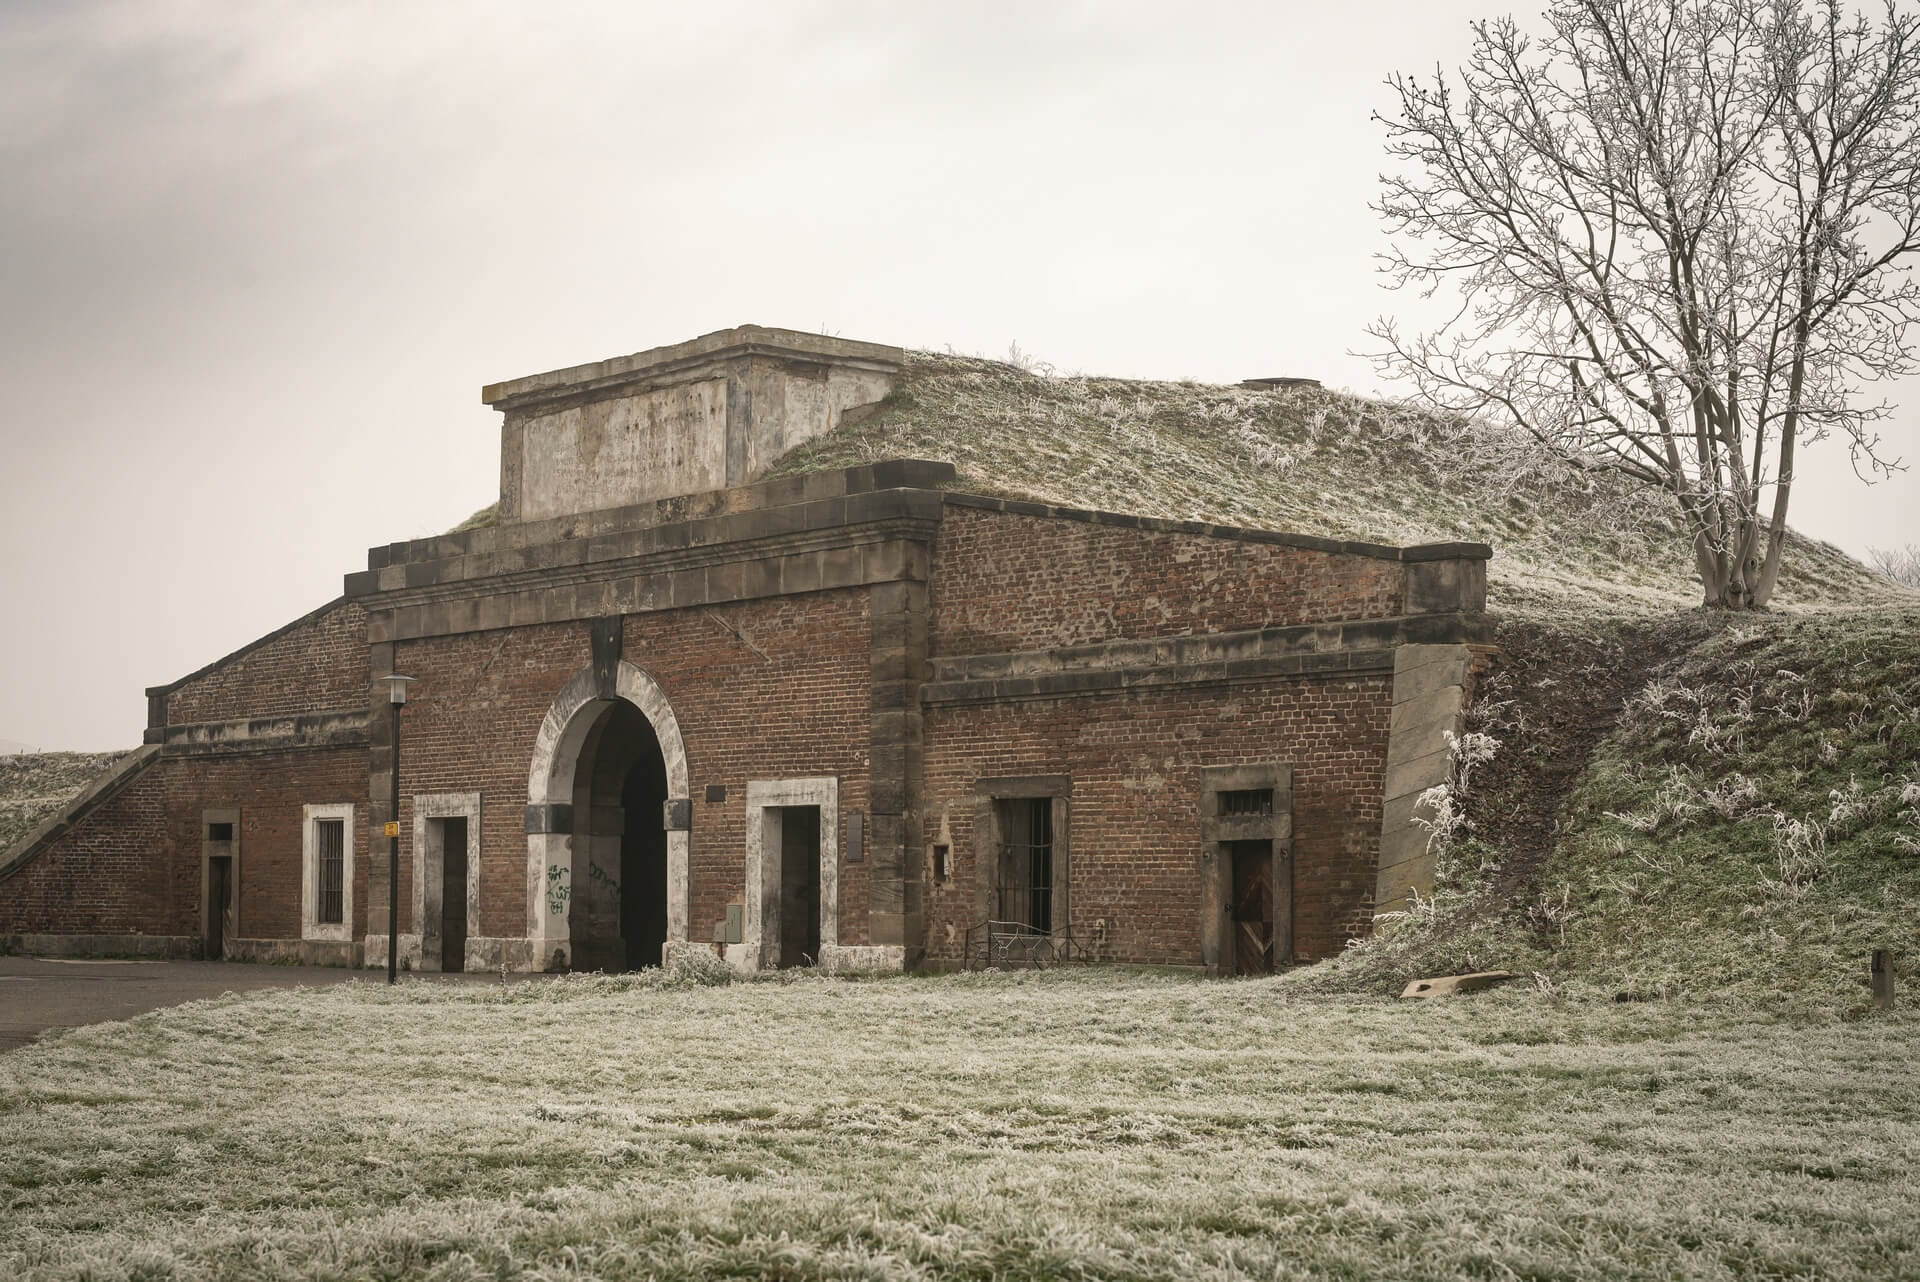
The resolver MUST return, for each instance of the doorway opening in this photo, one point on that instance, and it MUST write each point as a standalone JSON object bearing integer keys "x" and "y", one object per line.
{"x": 1252, "y": 906}
{"x": 799, "y": 847}
{"x": 449, "y": 836}
{"x": 219, "y": 905}
{"x": 618, "y": 913}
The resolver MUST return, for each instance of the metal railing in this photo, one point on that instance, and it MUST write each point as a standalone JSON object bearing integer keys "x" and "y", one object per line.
{"x": 1014, "y": 945}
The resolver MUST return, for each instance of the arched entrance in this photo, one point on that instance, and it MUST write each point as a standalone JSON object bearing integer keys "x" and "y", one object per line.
{"x": 607, "y": 881}
{"x": 617, "y": 917}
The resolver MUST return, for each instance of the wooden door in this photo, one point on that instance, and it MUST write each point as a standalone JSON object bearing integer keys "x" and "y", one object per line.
{"x": 219, "y": 905}
{"x": 453, "y": 894}
{"x": 1252, "y": 907}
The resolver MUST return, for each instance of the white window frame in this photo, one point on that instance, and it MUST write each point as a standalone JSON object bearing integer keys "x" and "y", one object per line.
{"x": 310, "y": 872}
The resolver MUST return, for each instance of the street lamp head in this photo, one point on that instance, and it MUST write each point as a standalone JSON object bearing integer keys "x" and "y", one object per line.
{"x": 397, "y": 687}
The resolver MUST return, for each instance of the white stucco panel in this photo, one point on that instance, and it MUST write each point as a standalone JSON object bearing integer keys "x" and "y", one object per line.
{"x": 667, "y": 441}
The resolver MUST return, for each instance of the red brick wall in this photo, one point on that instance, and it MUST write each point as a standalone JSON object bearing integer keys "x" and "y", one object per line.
{"x": 132, "y": 864}
{"x": 319, "y": 665}
{"x": 761, "y": 689}
{"x": 1004, "y": 582}
{"x": 1135, "y": 838}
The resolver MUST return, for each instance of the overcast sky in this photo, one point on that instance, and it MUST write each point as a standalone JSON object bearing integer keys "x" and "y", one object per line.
{"x": 257, "y": 260}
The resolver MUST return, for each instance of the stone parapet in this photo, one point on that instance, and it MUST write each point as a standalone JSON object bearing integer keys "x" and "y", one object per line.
{"x": 717, "y": 411}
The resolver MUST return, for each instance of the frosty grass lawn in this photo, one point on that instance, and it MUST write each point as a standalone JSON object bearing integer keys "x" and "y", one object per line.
{"x": 1100, "y": 1124}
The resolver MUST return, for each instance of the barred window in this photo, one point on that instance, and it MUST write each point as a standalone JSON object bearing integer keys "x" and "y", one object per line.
{"x": 330, "y": 840}
{"x": 1026, "y": 863}
{"x": 1246, "y": 802}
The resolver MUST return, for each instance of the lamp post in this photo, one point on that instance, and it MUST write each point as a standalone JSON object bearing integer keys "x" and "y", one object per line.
{"x": 396, "y": 698}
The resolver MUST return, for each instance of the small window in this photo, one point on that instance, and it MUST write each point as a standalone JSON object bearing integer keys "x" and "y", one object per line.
{"x": 1246, "y": 803}
{"x": 940, "y": 865}
{"x": 330, "y": 841}
{"x": 220, "y": 832}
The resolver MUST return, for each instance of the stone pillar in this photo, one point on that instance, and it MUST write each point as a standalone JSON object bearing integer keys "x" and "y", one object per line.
{"x": 895, "y": 911}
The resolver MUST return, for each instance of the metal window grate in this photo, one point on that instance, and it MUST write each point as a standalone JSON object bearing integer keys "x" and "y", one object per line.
{"x": 330, "y": 841}
{"x": 1026, "y": 863}
{"x": 1243, "y": 803}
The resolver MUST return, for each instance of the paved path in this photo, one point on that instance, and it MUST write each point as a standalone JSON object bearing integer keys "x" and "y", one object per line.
{"x": 38, "y": 993}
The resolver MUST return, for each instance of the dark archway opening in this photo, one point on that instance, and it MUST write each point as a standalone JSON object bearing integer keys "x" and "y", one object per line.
{"x": 618, "y": 914}
{"x": 643, "y": 860}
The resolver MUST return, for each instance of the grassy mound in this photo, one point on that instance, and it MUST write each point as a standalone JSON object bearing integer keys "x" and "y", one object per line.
{"x": 33, "y": 785}
{"x": 1717, "y": 809}
{"x": 1567, "y": 541}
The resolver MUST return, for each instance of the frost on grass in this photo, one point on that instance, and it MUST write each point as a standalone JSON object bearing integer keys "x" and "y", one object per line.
{"x": 1747, "y": 832}
{"x": 1065, "y": 1124}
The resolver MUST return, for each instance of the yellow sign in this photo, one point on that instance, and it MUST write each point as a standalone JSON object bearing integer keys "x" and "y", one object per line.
{"x": 393, "y": 829}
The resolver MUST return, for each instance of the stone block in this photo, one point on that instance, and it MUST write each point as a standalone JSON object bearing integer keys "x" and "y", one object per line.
{"x": 1426, "y": 673}
{"x": 1437, "y": 709}
{"x": 1406, "y": 778}
{"x": 801, "y": 572}
{"x": 1395, "y": 886}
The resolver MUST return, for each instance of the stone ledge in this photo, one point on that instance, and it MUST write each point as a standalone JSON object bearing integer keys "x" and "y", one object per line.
{"x": 1163, "y": 525}
{"x": 661, "y": 362}
{"x": 1304, "y": 639}
{"x": 344, "y": 953}
{"x": 891, "y": 554}
{"x": 823, "y": 524}
{"x": 854, "y": 959}
{"x": 811, "y": 487}
{"x": 342, "y": 729}
{"x": 1121, "y": 680}
{"x": 164, "y": 947}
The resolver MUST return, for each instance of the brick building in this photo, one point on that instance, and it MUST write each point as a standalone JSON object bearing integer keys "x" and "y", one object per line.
{"x": 851, "y": 716}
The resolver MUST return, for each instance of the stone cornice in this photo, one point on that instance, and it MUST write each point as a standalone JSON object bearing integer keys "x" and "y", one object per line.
{"x": 679, "y": 360}
{"x": 1313, "y": 651}
{"x": 342, "y": 729}
{"x": 1378, "y": 551}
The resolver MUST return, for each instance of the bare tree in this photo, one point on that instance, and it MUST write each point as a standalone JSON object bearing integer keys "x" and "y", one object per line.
{"x": 1674, "y": 231}
{"x": 1902, "y": 565}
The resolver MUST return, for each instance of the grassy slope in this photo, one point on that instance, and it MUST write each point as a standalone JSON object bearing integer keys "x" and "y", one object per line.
{"x": 35, "y": 784}
{"x": 1077, "y": 1124}
{"x": 1311, "y": 461}
{"x": 1734, "y": 812}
